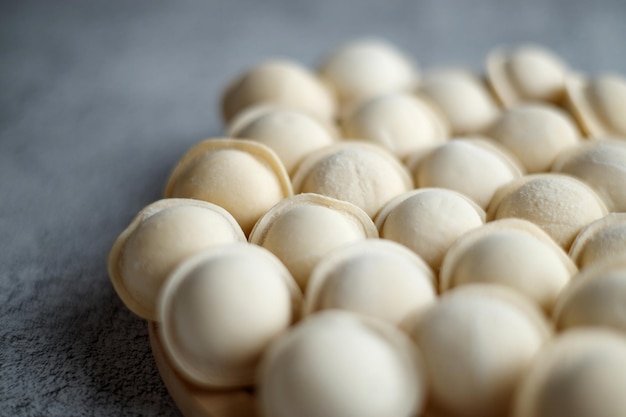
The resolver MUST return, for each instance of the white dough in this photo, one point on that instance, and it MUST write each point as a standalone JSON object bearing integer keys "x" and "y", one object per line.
{"x": 535, "y": 133}
{"x": 280, "y": 82}
{"x": 304, "y": 228}
{"x": 511, "y": 252}
{"x": 428, "y": 221}
{"x": 336, "y": 364}
{"x": 582, "y": 373}
{"x": 462, "y": 97}
{"x": 599, "y": 104}
{"x": 477, "y": 343}
{"x": 291, "y": 134}
{"x": 400, "y": 122}
{"x": 374, "y": 277}
{"x": 526, "y": 73}
{"x": 365, "y": 68}
{"x": 360, "y": 173}
{"x": 162, "y": 235}
{"x": 221, "y": 308}
{"x": 474, "y": 167}
{"x": 561, "y": 205}
{"x": 244, "y": 177}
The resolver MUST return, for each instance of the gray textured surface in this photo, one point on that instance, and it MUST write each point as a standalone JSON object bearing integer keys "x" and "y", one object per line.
{"x": 98, "y": 99}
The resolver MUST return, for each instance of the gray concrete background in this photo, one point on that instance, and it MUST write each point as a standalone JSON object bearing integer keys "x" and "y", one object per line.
{"x": 98, "y": 99}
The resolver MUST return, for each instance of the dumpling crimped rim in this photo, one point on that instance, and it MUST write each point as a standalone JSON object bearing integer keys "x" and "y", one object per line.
{"x": 384, "y": 212}
{"x": 310, "y": 161}
{"x": 191, "y": 399}
{"x": 560, "y": 352}
{"x": 591, "y": 230}
{"x": 252, "y": 113}
{"x": 114, "y": 258}
{"x": 218, "y": 378}
{"x": 321, "y": 272}
{"x": 505, "y": 92}
{"x": 506, "y": 190}
{"x": 515, "y": 225}
{"x": 256, "y": 149}
{"x": 578, "y": 103}
{"x": 498, "y": 291}
{"x": 408, "y": 351}
{"x": 585, "y": 276}
{"x": 352, "y": 212}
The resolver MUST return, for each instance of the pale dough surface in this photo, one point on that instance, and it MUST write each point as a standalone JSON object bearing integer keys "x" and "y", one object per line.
{"x": 99, "y": 100}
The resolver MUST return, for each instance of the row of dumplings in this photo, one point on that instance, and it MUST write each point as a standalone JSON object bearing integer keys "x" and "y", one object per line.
{"x": 361, "y": 71}
{"x": 499, "y": 275}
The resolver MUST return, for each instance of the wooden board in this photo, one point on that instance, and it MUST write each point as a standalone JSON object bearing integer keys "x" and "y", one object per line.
{"x": 194, "y": 401}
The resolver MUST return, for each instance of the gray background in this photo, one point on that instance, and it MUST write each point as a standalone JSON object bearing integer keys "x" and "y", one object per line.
{"x": 98, "y": 99}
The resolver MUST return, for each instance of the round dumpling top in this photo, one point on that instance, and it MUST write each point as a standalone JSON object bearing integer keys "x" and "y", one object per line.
{"x": 472, "y": 166}
{"x": 291, "y": 134}
{"x": 281, "y": 82}
{"x": 302, "y": 229}
{"x": 256, "y": 111}
{"x": 162, "y": 235}
{"x": 595, "y": 297}
{"x": 581, "y": 373}
{"x": 373, "y": 277}
{"x": 462, "y": 98}
{"x": 221, "y": 308}
{"x": 242, "y": 176}
{"x": 338, "y": 364}
{"x": 428, "y": 221}
{"x": 536, "y": 134}
{"x": 477, "y": 343}
{"x": 400, "y": 122}
{"x": 360, "y": 173}
{"x": 365, "y": 68}
{"x": 561, "y": 205}
{"x": 601, "y": 240}
{"x": 526, "y": 73}
{"x": 599, "y": 104}
{"x": 600, "y": 164}
{"x": 511, "y": 252}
